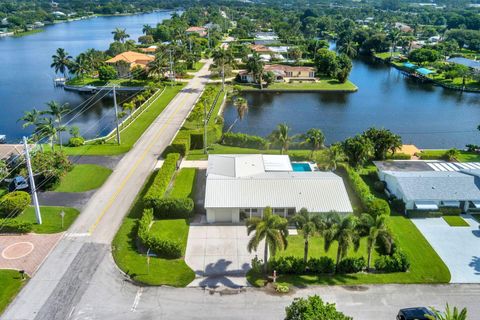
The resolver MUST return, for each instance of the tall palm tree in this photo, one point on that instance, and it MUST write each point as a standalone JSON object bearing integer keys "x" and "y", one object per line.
{"x": 221, "y": 58}
{"x": 241, "y": 104}
{"x": 335, "y": 155}
{"x": 47, "y": 128}
{"x": 271, "y": 228}
{"x": 57, "y": 111}
{"x": 343, "y": 230}
{"x": 349, "y": 48}
{"x": 61, "y": 61}
{"x": 315, "y": 138}
{"x": 449, "y": 314}
{"x": 375, "y": 228}
{"x": 280, "y": 136}
{"x": 120, "y": 35}
{"x": 307, "y": 223}
{"x": 255, "y": 67}
{"x": 80, "y": 65}
{"x": 159, "y": 66}
{"x": 30, "y": 118}
{"x": 393, "y": 36}
{"x": 147, "y": 29}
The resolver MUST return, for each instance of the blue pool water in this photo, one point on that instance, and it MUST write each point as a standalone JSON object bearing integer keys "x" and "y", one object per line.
{"x": 301, "y": 167}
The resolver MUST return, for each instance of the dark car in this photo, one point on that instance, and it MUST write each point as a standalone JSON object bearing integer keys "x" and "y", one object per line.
{"x": 18, "y": 183}
{"x": 418, "y": 313}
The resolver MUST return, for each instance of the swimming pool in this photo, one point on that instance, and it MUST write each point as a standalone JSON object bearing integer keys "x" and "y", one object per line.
{"x": 301, "y": 166}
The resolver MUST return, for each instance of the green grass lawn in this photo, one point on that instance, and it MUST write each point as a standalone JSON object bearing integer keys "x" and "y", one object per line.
{"x": 131, "y": 134}
{"x": 27, "y": 33}
{"x": 11, "y": 283}
{"x": 386, "y": 55}
{"x": 83, "y": 177}
{"x": 3, "y": 191}
{"x": 464, "y": 156}
{"x": 456, "y": 221}
{"x": 100, "y": 83}
{"x": 325, "y": 84}
{"x": 51, "y": 219}
{"x": 173, "y": 229}
{"x": 173, "y": 272}
{"x": 184, "y": 183}
{"x": 221, "y": 149}
{"x": 458, "y": 82}
{"x": 196, "y": 67}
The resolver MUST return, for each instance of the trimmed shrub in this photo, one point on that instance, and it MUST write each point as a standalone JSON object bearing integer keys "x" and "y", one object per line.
{"x": 14, "y": 203}
{"x": 450, "y": 211}
{"x": 172, "y": 208}
{"x": 76, "y": 142}
{"x": 280, "y": 288}
{"x": 244, "y": 141}
{"x": 397, "y": 205}
{"x": 379, "y": 186}
{"x": 398, "y": 262}
{"x": 15, "y": 226}
{"x": 378, "y": 207}
{"x": 423, "y": 214}
{"x": 161, "y": 180}
{"x": 322, "y": 265}
{"x": 287, "y": 265}
{"x": 351, "y": 265}
{"x": 162, "y": 247}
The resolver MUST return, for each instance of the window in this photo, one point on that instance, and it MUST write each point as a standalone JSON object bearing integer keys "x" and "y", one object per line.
{"x": 289, "y": 73}
{"x": 279, "y": 210}
{"x": 311, "y": 74}
{"x": 290, "y": 211}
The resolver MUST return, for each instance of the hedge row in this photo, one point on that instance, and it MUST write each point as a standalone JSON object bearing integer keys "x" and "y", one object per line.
{"x": 9, "y": 225}
{"x": 397, "y": 262}
{"x": 322, "y": 265}
{"x": 172, "y": 208}
{"x": 370, "y": 203}
{"x": 161, "y": 180}
{"x": 14, "y": 203}
{"x": 399, "y": 156}
{"x": 443, "y": 211}
{"x": 244, "y": 141}
{"x": 161, "y": 247}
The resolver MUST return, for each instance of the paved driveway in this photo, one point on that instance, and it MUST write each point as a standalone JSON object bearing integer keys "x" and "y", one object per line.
{"x": 459, "y": 247}
{"x": 218, "y": 254}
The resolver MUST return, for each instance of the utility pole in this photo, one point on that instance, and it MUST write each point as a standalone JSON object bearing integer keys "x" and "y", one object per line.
{"x": 205, "y": 127}
{"x": 116, "y": 113}
{"x": 32, "y": 182}
{"x": 172, "y": 76}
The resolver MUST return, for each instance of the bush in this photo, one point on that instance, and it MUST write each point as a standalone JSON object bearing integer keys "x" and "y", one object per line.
{"x": 287, "y": 265}
{"x": 423, "y": 214}
{"x": 351, "y": 265}
{"x": 76, "y": 142}
{"x": 379, "y": 186}
{"x": 244, "y": 141}
{"x": 311, "y": 308}
{"x": 14, "y": 203}
{"x": 162, "y": 247}
{"x": 398, "y": 262}
{"x": 172, "y": 208}
{"x": 322, "y": 265}
{"x": 397, "y": 205}
{"x": 280, "y": 288}
{"x": 49, "y": 168}
{"x": 378, "y": 207}
{"x": 450, "y": 211}
{"x": 161, "y": 180}
{"x": 9, "y": 225}
{"x": 106, "y": 73}
{"x": 399, "y": 156}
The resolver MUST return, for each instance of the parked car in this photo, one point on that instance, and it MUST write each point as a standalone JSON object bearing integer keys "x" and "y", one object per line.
{"x": 18, "y": 183}
{"x": 418, "y": 313}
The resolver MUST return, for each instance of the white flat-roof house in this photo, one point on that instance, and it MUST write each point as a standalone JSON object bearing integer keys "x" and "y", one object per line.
{"x": 424, "y": 185}
{"x": 241, "y": 186}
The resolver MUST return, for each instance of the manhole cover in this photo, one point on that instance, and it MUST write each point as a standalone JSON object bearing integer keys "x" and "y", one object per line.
{"x": 17, "y": 250}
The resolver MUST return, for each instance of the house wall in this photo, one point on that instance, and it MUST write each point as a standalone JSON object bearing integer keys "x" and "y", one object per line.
{"x": 217, "y": 214}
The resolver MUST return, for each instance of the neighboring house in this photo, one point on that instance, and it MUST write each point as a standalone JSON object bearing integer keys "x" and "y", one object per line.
{"x": 283, "y": 73}
{"x": 430, "y": 185}
{"x": 151, "y": 49}
{"x": 201, "y": 31}
{"x": 126, "y": 61}
{"x": 474, "y": 65}
{"x": 242, "y": 186}
{"x": 260, "y": 48}
{"x": 265, "y": 38}
{"x": 403, "y": 27}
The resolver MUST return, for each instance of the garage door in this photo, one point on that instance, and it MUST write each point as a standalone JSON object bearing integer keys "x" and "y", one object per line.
{"x": 222, "y": 216}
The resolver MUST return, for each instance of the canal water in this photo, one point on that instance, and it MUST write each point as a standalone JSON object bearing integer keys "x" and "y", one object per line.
{"x": 26, "y": 79}
{"x": 423, "y": 114}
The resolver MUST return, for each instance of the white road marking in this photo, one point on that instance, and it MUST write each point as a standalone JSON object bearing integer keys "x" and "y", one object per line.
{"x": 137, "y": 299}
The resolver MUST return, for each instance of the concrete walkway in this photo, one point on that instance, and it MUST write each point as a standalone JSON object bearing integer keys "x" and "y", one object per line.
{"x": 459, "y": 247}
{"x": 199, "y": 164}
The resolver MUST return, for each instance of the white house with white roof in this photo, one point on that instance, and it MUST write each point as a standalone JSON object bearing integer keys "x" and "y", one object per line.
{"x": 241, "y": 186}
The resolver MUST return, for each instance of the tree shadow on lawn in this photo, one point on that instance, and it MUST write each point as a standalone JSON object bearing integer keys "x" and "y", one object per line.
{"x": 302, "y": 281}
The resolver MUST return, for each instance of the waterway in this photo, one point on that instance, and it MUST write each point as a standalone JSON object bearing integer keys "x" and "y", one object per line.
{"x": 26, "y": 79}
{"x": 423, "y": 114}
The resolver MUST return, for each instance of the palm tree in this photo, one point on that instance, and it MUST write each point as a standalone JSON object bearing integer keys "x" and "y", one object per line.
{"x": 30, "y": 118}
{"x": 375, "y": 228}
{"x": 393, "y": 36}
{"x": 61, "y": 61}
{"x": 120, "y": 35}
{"x": 255, "y": 67}
{"x": 47, "y": 128}
{"x": 449, "y": 314}
{"x": 315, "y": 138}
{"x": 280, "y": 136}
{"x": 349, "y": 48}
{"x": 343, "y": 230}
{"x": 335, "y": 155}
{"x": 147, "y": 29}
{"x": 80, "y": 66}
{"x": 158, "y": 66}
{"x": 57, "y": 111}
{"x": 242, "y": 108}
{"x": 221, "y": 58}
{"x": 271, "y": 228}
{"x": 307, "y": 223}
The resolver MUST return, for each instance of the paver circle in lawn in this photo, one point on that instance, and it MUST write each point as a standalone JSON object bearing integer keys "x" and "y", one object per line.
{"x": 17, "y": 250}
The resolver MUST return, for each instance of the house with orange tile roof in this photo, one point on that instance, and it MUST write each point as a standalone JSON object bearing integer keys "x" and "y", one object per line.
{"x": 126, "y": 61}
{"x": 260, "y": 48}
{"x": 201, "y": 31}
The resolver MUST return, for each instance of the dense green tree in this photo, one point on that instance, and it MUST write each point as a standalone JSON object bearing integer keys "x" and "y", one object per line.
{"x": 61, "y": 61}
{"x": 383, "y": 141}
{"x": 326, "y": 62}
{"x": 315, "y": 139}
{"x": 313, "y": 308}
{"x": 358, "y": 150}
{"x": 344, "y": 67}
{"x": 281, "y": 137}
{"x": 344, "y": 232}
{"x": 255, "y": 67}
{"x": 375, "y": 228}
{"x": 423, "y": 55}
{"x": 306, "y": 223}
{"x": 120, "y": 35}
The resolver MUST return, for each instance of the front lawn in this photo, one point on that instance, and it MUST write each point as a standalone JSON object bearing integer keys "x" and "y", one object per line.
{"x": 131, "y": 134}
{"x": 221, "y": 149}
{"x": 455, "y": 221}
{"x": 51, "y": 219}
{"x": 83, "y": 177}
{"x": 85, "y": 81}
{"x": 173, "y": 229}
{"x": 324, "y": 84}
{"x": 196, "y": 67}
{"x": 11, "y": 285}
{"x": 184, "y": 183}
{"x": 464, "y": 156}
{"x": 173, "y": 272}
